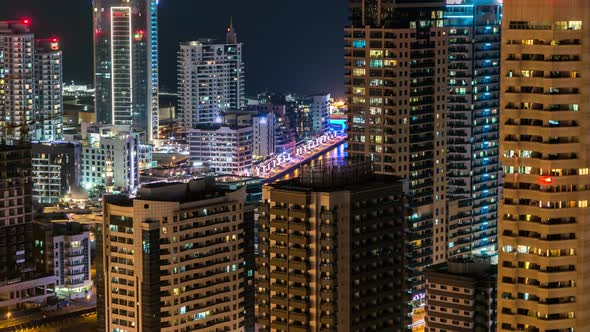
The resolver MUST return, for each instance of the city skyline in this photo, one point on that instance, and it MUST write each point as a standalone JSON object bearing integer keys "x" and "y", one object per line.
{"x": 292, "y": 68}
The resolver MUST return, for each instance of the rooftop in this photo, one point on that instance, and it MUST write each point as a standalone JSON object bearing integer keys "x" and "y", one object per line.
{"x": 174, "y": 191}
{"x": 339, "y": 174}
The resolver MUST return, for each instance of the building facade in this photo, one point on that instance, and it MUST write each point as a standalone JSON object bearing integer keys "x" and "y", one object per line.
{"x": 176, "y": 250}
{"x": 20, "y": 284}
{"x": 126, "y": 64}
{"x": 63, "y": 249}
{"x": 16, "y": 209}
{"x": 396, "y": 89}
{"x": 544, "y": 151}
{"x": 17, "y": 80}
{"x": 56, "y": 170}
{"x": 473, "y": 170}
{"x": 223, "y": 149}
{"x": 461, "y": 296}
{"x": 263, "y": 135}
{"x": 210, "y": 80}
{"x": 315, "y": 116}
{"x": 331, "y": 252}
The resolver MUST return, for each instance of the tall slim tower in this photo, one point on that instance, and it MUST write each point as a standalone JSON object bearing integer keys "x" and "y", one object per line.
{"x": 472, "y": 156}
{"x": 49, "y": 90}
{"x": 396, "y": 86}
{"x": 17, "y": 84}
{"x": 210, "y": 80}
{"x": 545, "y": 148}
{"x": 126, "y": 64}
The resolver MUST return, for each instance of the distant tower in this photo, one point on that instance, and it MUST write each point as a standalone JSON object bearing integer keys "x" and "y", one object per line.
{"x": 126, "y": 64}
{"x": 48, "y": 90}
{"x": 231, "y": 37}
{"x": 210, "y": 80}
{"x": 17, "y": 78}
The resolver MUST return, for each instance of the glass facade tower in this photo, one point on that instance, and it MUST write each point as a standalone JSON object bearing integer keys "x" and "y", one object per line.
{"x": 472, "y": 157}
{"x": 126, "y": 64}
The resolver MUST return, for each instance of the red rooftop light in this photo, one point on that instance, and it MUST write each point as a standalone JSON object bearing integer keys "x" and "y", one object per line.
{"x": 54, "y": 40}
{"x": 26, "y": 21}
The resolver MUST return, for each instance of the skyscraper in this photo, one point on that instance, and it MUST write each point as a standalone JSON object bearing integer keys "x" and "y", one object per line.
{"x": 172, "y": 259}
{"x": 472, "y": 156}
{"x": 396, "y": 87}
{"x": 332, "y": 255}
{"x": 126, "y": 64}
{"x": 543, "y": 271}
{"x": 210, "y": 80}
{"x": 17, "y": 80}
{"x": 48, "y": 91}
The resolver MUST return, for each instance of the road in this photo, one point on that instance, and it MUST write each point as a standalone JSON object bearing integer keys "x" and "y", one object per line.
{"x": 85, "y": 322}
{"x": 76, "y": 321}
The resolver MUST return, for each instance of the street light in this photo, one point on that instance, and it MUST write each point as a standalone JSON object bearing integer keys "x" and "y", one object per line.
{"x": 8, "y": 314}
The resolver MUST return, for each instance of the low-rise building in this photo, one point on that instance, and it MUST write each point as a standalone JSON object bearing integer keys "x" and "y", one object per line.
{"x": 461, "y": 296}
{"x": 110, "y": 158}
{"x": 56, "y": 170}
{"x": 223, "y": 149}
{"x": 62, "y": 248}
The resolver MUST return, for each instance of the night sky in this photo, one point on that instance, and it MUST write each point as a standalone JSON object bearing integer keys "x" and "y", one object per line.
{"x": 289, "y": 45}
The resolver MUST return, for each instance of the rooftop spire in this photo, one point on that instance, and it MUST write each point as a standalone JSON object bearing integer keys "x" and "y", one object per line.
{"x": 231, "y": 37}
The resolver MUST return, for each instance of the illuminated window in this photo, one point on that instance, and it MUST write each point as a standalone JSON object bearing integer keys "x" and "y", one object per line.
{"x": 360, "y": 43}
{"x": 358, "y": 72}
{"x": 376, "y": 63}
{"x": 376, "y": 53}
{"x": 390, "y": 63}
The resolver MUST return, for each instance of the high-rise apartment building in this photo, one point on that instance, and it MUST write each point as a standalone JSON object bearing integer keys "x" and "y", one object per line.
{"x": 16, "y": 211}
{"x": 474, "y": 28}
{"x": 461, "y": 296}
{"x": 396, "y": 86}
{"x": 126, "y": 64}
{"x": 544, "y": 151}
{"x": 210, "y": 80}
{"x": 48, "y": 91}
{"x": 332, "y": 251}
{"x": 17, "y": 80}
{"x": 56, "y": 170}
{"x": 171, "y": 259}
